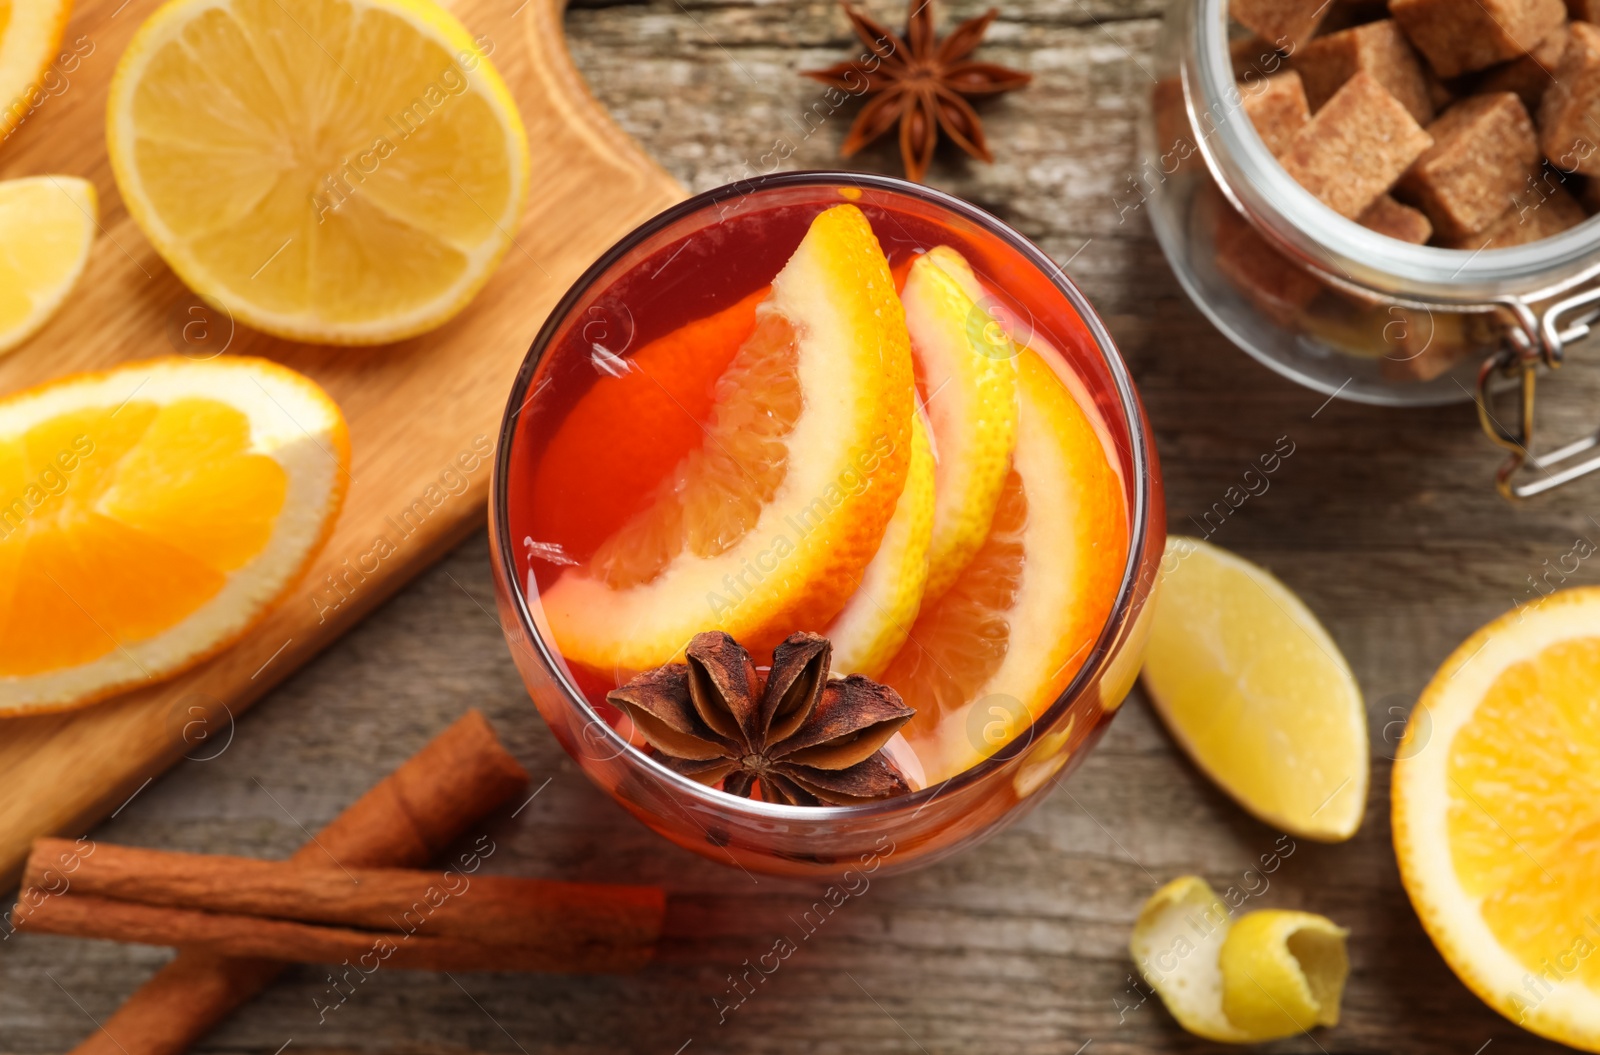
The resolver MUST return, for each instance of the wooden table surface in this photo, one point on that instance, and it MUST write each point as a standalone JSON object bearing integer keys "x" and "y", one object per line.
{"x": 1384, "y": 521}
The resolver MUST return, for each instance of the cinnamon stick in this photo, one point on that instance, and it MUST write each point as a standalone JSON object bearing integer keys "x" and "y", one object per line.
{"x": 407, "y": 819}
{"x": 453, "y": 902}
{"x": 228, "y": 934}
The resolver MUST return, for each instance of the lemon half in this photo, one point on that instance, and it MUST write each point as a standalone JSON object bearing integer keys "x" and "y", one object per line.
{"x": 340, "y": 171}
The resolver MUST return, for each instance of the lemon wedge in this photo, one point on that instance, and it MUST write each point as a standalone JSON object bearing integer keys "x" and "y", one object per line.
{"x": 1257, "y": 693}
{"x": 340, "y": 171}
{"x": 1267, "y": 975}
{"x": 47, "y": 226}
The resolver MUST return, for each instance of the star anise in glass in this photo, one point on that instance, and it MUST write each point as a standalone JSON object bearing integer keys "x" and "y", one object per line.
{"x": 921, "y": 82}
{"x": 801, "y": 737}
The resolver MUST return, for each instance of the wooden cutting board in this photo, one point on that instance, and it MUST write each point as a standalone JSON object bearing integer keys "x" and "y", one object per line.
{"x": 414, "y": 408}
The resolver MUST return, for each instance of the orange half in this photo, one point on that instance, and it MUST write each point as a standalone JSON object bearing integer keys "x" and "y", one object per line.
{"x": 152, "y": 514}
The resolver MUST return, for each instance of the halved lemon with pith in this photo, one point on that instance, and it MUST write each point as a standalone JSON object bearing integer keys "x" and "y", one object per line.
{"x": 1496, "y": 811}
{"x": 770, "y": 523}
{"x": 341, "y": 171}
{"x": 1009, "y": 634}
{"x": 150, "y": 515}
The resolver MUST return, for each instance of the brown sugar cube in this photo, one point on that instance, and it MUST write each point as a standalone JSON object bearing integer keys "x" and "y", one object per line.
{"x": 1254, "y": 57}
{"x": 1377, "y": 47}
{"x": 1424, "y": 345}
{"x": 1540, "y": 213}
{"x": 1387, "y": 216}
{"x": 1530, "y": 75}
{"x": 1286, "y": 24}
{"x": 1280, "y": 288}
{"x": 1439, "y": 93}
{"x": 1588, "y": 193}
{"x": 1175, "y": 138}
{"x": 1483, "y": 152}
{"x": 1343, "y": 14}
{"x": 1277, "y": 107}
{"x": 1355, "y": 147}
{"x": 1460, "y": 36}
{"x": 1172, "y": 120}
{"x": 1569, "y": 116}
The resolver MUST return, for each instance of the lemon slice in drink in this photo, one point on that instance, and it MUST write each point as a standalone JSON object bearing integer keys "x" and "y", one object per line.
{"x": 47, "y": 226}
{"x": 879, "y": 615}
{"x": 967, "y": 370}
{"x": 340, "y": 171}
{"x": 1257, "y": 693}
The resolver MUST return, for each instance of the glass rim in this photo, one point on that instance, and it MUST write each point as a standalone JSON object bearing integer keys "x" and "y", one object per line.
{"x": 1334, "y": 243}
{"x": 1141, "y": 483}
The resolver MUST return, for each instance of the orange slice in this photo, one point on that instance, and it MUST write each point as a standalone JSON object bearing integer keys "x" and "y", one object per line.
{"x": 1496, "y": 811}
{"x": 1020, "y": 619}
{"x": 150, "y": 515}
{"x": 632, "y": 428}
{"x": 766, "y": 528}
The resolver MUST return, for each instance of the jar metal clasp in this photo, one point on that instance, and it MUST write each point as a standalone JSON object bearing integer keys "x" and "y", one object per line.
{"x": 1533, "y": 342}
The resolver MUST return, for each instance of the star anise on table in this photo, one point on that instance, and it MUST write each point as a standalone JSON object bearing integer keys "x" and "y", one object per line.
{"x": 921, "y": 82}
{"x": 801, "y": 737}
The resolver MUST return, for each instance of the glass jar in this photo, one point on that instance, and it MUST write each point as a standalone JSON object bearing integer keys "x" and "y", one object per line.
{"x": 927, "y": 824}
{"x": 1323, "y": 300}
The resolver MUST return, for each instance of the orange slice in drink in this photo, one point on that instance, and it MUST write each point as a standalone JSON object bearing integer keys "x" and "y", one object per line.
{"x": 152, "y": 514}
{"x": 767, "y": 526}
{"x": 632, "y": 428}
{"x": 1003, "y": 642}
